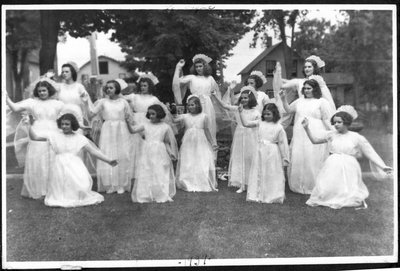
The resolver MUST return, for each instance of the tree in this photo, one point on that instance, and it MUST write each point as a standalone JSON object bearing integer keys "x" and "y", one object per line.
{"x": 21, "y": 38}
{"x": 278, "y": 20}
{"x": 363, "y": 47}
{"x": 155, "y": 40}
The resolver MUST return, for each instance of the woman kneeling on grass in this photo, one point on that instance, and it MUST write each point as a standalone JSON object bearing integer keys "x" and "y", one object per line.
{"x": 70, "y": 183}
{"x": 339, "y": 183}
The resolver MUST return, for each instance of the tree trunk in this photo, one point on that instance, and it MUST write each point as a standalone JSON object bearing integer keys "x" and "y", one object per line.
{"x": 19, "y": 59}
{"x": 49, "y": 27}
{"x": 286, "y": 50}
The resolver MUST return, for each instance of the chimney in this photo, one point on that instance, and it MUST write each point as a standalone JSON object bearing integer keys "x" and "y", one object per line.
{"x": 269, "y": 41}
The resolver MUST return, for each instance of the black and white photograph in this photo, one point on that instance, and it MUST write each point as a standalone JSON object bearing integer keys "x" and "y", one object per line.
{"x": 176, "y": 135}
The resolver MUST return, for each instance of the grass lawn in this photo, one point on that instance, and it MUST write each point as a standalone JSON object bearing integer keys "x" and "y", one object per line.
{"x": 217, "y": 225}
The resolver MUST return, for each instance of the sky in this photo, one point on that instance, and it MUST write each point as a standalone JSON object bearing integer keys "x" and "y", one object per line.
{"x": 78, "y": 50}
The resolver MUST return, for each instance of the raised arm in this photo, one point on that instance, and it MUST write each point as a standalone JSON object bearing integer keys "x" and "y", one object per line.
{"x": 282, "y": 95}
{"x": 312, "y": 138}
{"x": 16, "y": 107}
{"x": 176, "y": 82}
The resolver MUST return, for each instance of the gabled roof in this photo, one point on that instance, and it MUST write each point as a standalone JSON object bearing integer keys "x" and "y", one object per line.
{"x": 261, "y": 56}
{"x": 100, "y": 56}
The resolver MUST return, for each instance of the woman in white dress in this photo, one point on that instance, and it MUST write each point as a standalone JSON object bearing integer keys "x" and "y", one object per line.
{"x": 200, "y": 83}
{"x": 306, "y": 158}
{"x": 70, "y": 182}
{"x": 312, "y": 70}
{"x": 244, "y": 141}
{"x": 115, "y": 141}
{"x": 45, "y": 111}
{"x": 155, "y": 179}
{"x": 339, "y": 182}
{"x": 196, "y": 165}
{"x": 266, "y": 178}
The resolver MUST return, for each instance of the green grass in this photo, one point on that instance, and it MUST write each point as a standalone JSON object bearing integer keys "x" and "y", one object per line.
{"x": 217, "y": 225}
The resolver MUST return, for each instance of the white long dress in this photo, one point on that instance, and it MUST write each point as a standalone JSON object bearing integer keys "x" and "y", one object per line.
{"x": 243, "y": 149}
{"x": 202, "y": 87}
{"x": 339, "y": 182}
{"x": 155, "y": 177}
{"x": 307, "y": 158}
{"x": 115, "y": 142}
{"x": 266, "y": 177}
{"x": 70, "y": 182}
{"x": 38, "y": 154}
{"x": 196, "y": 169}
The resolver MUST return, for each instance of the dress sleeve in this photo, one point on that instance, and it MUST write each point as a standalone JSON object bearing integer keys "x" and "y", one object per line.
{"x": 293, "y": 106}
{"x": 26, "y": 104}
{"x": 326, "y": 111}
{"x": 283, "y": 144}
{"x": 98, "y": 107}
{"x": 128, "y": 112}
{"x": 375, "y": 161}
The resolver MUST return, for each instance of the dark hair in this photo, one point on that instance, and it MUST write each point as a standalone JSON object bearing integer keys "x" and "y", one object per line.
{"x": 317, "y": 70}
{"x": 346, "y": 117}
{"x": 257, "y": 79}
{"x": 207, "y": 70}
{"x": 116, "y": 85}
{"x": 316, "y": 90}
{"x": 252, "y": 99}
{"x": 71, "y": 118}
{"x": 149, "y": 83}
{"x": 197, "y": 102}
{"x": 274, "y": 110}
{"x": 160, "y": 113}
{"x": 72, "y": 69}
{"x": 45, "y": 84}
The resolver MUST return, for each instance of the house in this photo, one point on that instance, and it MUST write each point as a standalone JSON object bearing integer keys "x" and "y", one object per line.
{"x": 340, "y": 84}
{"x": 109, "y": 69}
{"x": 266, "y": 61}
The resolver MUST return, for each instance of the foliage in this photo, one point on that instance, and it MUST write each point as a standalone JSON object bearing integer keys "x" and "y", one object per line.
{"x": 156, "y": 39}
{"x": 21, "y": 38}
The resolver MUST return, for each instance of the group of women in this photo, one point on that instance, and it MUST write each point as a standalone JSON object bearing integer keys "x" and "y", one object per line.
{"x": 137, "y": 140}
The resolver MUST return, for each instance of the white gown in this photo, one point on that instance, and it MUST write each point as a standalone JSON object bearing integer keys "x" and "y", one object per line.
{"x": 266, "y": 177}
{"x": 243, "y": 149}
{"x": 115, "y": 142}
{"x": 307, "y": 158}
{"x": 202, "y": 87}
{"x": 196, "y": 169}
{"x": 38, "y": 155}
{"x": 70, "y": 182}
{"x": 155, "y": 177}
{"x": 339, "y": 182}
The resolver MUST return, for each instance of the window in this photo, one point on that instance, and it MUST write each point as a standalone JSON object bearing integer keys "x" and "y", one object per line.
{"x": 294, "y": 68}
{"x": 270, "y": 67}
{"x": 103, "y": 67}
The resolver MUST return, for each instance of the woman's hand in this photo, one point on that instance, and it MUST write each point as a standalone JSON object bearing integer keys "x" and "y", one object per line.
{"x": 240, "y": 108}
{"x": 285, "y": 163}
{"x": 113, "y": 163}
{"x": 181, "y": 63}
{"x": 305, "y": 123}
{"x": 213, "y": 92}
{"x": 282, "y": 94}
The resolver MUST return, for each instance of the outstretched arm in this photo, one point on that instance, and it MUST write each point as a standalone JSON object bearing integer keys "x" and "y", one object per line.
{"x": 13, "y": 106}
{"x": 312, "y": 138}
{"x": 99, "y": 155}
{"x": 221, "y": 103}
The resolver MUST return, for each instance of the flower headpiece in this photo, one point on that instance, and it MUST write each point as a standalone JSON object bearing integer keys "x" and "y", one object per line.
{"x": 259, "y": 74}
{"x": 71, "y": 110}
{"x": 205, "y": 58}
{"x": 74, "y": 65}
{"x": 348, "y": 109}
{"x": 249, "y": 88}
{"x": 122, "y": 83}
{"x": 191, "y": 96}
{"x": 149, "y": 75}
{"x": 318, "y": 60}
